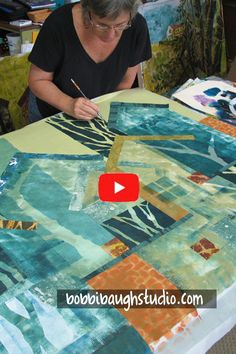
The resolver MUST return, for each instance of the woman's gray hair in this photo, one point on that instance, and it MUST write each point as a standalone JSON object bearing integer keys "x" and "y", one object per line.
{"x": 109, "y": 8}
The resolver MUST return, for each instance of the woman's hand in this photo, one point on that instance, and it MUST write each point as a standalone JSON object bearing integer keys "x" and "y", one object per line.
{"x": 42, "y": 86}
{"x": 83, "y": 108}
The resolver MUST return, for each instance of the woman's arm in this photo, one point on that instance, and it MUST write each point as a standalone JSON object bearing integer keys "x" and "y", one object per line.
{"x": 128, "y": 79}
{"x": 232, "y": 72}
{"x": 42, "y": 86}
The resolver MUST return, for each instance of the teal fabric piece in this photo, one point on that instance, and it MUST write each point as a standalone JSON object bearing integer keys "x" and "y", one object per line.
{"x": 34, "y": 255}
{"x": 59, "y": 330}
{"x": 6, "y": 152}
{"x": 122, "y": 342}
{"x": 226, "y": 228}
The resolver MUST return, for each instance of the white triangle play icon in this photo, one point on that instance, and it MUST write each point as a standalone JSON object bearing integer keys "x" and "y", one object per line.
{"x": 118, "y": 187}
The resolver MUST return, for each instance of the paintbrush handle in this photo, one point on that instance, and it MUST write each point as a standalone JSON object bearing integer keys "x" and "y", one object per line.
{"x": 79, "y": 89}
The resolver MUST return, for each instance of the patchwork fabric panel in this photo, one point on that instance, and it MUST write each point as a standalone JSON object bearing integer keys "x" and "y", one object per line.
{"x": 208, "y": 153}
{"x": 56, "y": 234}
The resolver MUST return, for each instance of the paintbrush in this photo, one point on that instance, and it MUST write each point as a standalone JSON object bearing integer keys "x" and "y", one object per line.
{"x": 79, "y": 89}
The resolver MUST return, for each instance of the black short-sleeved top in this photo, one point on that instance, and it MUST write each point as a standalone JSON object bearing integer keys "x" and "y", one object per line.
{"x": 59, "y": 50}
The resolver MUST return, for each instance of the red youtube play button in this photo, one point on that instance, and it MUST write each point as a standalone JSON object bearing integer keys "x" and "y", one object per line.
{"x": 118, "y": 187}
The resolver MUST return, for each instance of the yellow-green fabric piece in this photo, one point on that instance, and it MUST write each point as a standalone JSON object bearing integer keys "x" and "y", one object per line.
{"x": 14, "y": 80}
{"x": 163, "y": 71}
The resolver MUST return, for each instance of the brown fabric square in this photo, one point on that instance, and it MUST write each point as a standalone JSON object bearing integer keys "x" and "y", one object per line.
{"x": 205, "y": 248}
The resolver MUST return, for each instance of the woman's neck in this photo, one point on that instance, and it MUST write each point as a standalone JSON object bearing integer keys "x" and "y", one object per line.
{"x": 96, "y": 48}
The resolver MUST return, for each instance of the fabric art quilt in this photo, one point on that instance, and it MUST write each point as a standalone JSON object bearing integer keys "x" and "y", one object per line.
{"x": 55, "y": 233}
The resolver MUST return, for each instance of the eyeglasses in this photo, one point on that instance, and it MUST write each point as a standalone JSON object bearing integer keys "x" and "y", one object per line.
{"x": 106, "y": 28}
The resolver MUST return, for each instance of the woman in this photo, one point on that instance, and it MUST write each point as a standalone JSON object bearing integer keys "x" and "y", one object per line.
{"x": 97, "y": 43}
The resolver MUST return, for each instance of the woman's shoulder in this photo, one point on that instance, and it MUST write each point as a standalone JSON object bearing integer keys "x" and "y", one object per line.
{"x": 139, "y": 25}
{"x": 61, "y": 14}
{"x": 139, "y": 20}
